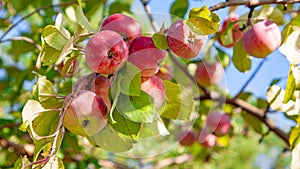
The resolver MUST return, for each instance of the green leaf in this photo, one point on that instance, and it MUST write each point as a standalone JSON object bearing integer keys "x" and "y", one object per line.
{"x": 53, "y": 37}
{"x": 46, "y": 94}
{"x": 294, "y": 137}
{"x": 241, "y": 60}
{"x": 271, "y": 13}
{"x": 49, "y": 55}
{"x": 81, "y": 19}
{"x": 128, "y": 79}
{"x": 118, "y": 7}
{"x": 159, "y": 39}
{"x": 39, "y": 146}
{"x": 21, "y": 162}
{"x": 124, "y": 125}
{"x": 139, "y": 109}
{"x": 109, "y": 140}
{"x": 224, "y": 57}
{"x": 179, "y": 8}
{"x": 290, "y": 87}
{"x": 45, "y": 124}
{"x": 179, "y": 102}
{"x": 67, "y": 64}
{"x": 293, "y": 25}
{"x": 255, "y": 124}
{"x": 59, "y": 26}
{"x": 202, "y": 21}
{"x": 68, "y": 48}
{"x": 31, "y": 110}
{"x": 262, "y": 103}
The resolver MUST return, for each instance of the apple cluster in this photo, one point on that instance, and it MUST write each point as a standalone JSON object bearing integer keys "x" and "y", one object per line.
{"x": 259, "y": 41}
{"x": 120, "y": 40}
{"x": 217, "y": 124}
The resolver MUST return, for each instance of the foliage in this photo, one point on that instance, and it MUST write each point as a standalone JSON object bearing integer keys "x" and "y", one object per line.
{"x": 42, "y": 60}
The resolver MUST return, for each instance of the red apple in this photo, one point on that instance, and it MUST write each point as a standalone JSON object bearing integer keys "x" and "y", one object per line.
{"x": 86, "y": 114}
{"x": 98, "y": 84}
{"x": 105, "y": 51}
{"x": 236, "y": 33}
{"x": 206, "y": 139}
{"x": 219, "y": 123}
{"x": 262, "y": 39}
{"x": 155, "y": 87}
{"x": 186, "y": 138}
{"x": 183, "y": 41}
{"x": 209, "y": 73}
{"x": 166, "y": 72}
{"x": 145, "y": 56}
{"x": 126, "y": 26}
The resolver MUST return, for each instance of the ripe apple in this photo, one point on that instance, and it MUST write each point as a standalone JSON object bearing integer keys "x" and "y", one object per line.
{"x": 145, "y": 56}
{"x": 186, "y": 138}
{"x": 209, "y": 73}
{"x": 206, "y": 139}
{"x": 183, "y": 41}
{"x": 155, "y": 87}
{"x": 219, "y": 123}
{"x": 262, "y": 39}
{"x": 166, "y": 72}
{"x": 98, "y": 84}
{"x": 126, "y": 26}
{"x": 105, "y": 51}
{"x": 86, "y": 114}
{"x": 236, "y": 33}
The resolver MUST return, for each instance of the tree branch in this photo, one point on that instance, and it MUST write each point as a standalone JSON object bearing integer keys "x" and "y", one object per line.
{"x": 252, "y": 110}
{"x": 33, "y": 12}
{"x": 26, "y": 39}
{"x": 176, "y": 160}
{"x": 250, "y": 3}
{"x": 4, "y": 143}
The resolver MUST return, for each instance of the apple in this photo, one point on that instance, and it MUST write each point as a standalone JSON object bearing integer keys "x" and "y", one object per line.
{"x": 219, "y": 123}
{"x": 183, "y": 41}
{"x": 209, "y": 73}
{"x": 166, "y": 72}
{"x": 155, "y": 87}
{"x": 262, "y": 39}
{"x": 235, "y": 31}
{"x": 186, "y": 138}
{"x": 145, "y": 56}
{"x": 206, "y": 139}
{"x": 126, "y": 26}
{"x": 98, "y": 84}
{"x": 86, "y": 114}
{"x": 105, "y": 51}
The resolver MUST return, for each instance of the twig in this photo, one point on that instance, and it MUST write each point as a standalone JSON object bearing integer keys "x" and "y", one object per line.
{"x": 4, "y": 143}
{"x": 252, "y": 110}
{"x": 250, "y": 79}
{"x": 250, "y": 3}
{"x": 249, "y": 23}
{"x": 33, "y": 12}
{"x": 171, "y": 161}
{"x": 26, "y": 39}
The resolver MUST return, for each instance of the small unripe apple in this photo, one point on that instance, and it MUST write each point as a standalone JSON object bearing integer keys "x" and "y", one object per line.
{"x": 105, "y": 51}
{"x": 86, "y": 114}
{"x": 209, "y": 73}
{"x": 186, "y": 138}
{"x": 126, "y": 26}
{"x": 206, "y": 139}
{"x": 262, "y": 39}
{"x": 145, "y": 56}
{"x": 219, "y": 123}
{"x": 155, "y": 87}
{"x": 166, "y": 72}
{"x": 183, "y": 41}
{"x": 98, "y": 84}
{"x": 236, "y": 33}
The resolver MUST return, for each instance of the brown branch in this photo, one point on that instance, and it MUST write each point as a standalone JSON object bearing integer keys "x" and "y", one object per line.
{"x": 6, "y": 144}
{"x": 172, "y": 161}
{"x": 111, "y": 164}
{"x": 33, "y": 12}
{"x": 250, "y": 3}
{"x": 26, "y": 39}
{"x": 252, "y": 110}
